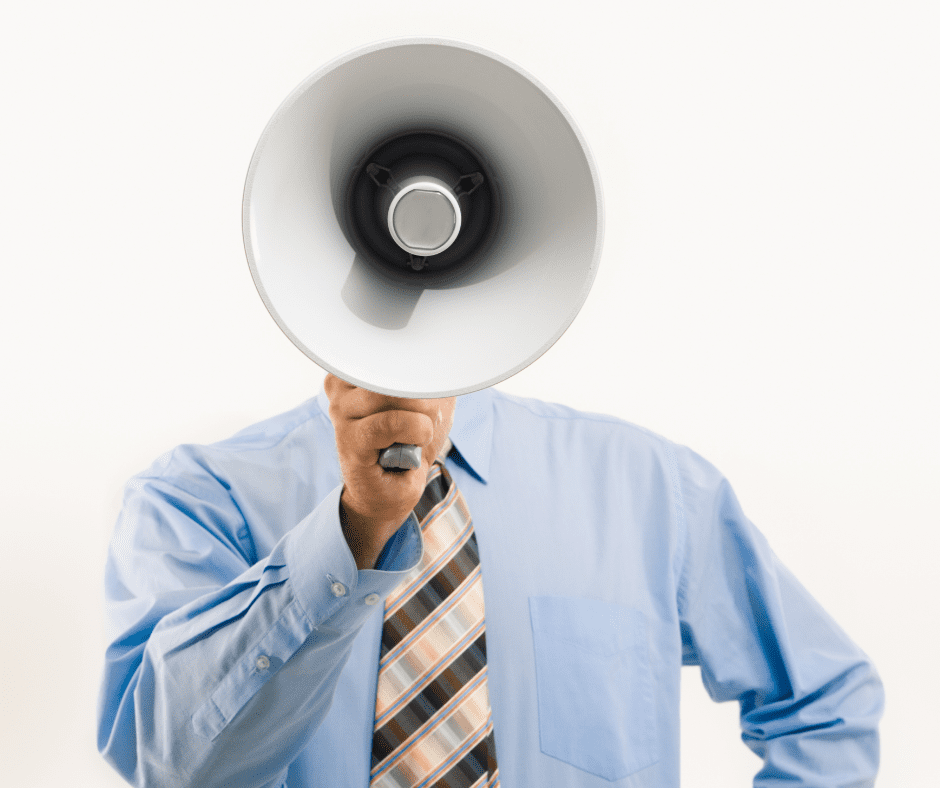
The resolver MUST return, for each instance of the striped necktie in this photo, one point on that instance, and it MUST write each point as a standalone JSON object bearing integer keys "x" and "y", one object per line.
{"x": 433, "y": 725}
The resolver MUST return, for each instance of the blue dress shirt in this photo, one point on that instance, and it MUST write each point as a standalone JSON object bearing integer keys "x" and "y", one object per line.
{"x": 244, "y": 643}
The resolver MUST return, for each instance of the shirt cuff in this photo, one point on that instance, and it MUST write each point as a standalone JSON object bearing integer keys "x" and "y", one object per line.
{"x": 323, "y": 572}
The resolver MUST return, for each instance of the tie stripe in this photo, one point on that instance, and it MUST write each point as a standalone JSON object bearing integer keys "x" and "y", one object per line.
{"x": 393, "y": 707}
{"x": 441, "y": 747}
{"x": 477, "y": 768}
{"x": 462, "y": 603}
{"x": 411, "y": 663}
{"x": 430, "y": 700}
{"x": 434, "y": 492}
{"x": 432, "y": 713}
{"x": 443, "y": 532}
{"x": 432, "y": 595}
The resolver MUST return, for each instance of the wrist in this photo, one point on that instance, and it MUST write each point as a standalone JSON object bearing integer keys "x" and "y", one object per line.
{"x": 365, "y": 536}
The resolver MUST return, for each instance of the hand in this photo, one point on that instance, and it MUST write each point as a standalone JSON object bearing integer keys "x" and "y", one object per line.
{"x": 375, "y": 502}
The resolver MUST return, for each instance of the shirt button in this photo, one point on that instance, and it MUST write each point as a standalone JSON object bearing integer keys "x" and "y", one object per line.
{"x": 371, "y": 599}
{"x": 262, "y": 663}
{"x": 338, "y": 589}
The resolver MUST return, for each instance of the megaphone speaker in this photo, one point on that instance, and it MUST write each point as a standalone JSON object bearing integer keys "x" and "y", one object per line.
{"x": 422, "y": 218}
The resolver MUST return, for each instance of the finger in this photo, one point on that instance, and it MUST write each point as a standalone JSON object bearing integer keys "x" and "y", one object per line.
{"x": 363, "y": 403}
{"x": 369, "y": 435}
{"x": 354, "y": 402}
{"x": 351, "y": 402}
{"x": 366, "y": 479}
{"x": 335, "y": 387}
{"x": 388, "y": 496}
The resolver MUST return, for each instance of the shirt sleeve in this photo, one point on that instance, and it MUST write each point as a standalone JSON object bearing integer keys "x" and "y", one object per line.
{"x": 218, "y": 670}
{"x": 810, "y": 699}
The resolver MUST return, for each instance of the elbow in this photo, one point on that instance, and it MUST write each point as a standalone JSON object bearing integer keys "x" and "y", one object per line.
{"x": 851, "y": 703}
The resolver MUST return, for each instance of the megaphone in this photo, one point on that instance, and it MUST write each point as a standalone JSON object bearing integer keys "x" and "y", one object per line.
{"x": 422, "y": 218}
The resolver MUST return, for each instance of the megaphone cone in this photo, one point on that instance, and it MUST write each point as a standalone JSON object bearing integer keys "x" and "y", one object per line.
{"x": 422, "y": 218}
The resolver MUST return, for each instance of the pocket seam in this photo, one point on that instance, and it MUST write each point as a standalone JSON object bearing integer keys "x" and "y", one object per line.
{"x": 635, "y": 730}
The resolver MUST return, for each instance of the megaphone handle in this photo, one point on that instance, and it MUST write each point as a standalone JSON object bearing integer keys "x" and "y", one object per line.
{"x": 400, "y": 456}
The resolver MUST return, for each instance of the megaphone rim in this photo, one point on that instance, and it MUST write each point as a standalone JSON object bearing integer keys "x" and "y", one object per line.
{"x": 392, "y": 43}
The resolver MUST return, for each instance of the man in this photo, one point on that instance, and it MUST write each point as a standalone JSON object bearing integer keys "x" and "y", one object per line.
{"x": 245, "y": 585}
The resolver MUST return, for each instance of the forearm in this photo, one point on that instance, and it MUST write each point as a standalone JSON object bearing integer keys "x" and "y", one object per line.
{"x": 228, "y": 687}
{"x": 829, "y": 739}
{"x": 810, "y": 698}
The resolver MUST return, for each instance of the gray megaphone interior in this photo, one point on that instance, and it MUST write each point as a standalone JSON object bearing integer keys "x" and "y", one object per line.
{"x": 422, "y": 335}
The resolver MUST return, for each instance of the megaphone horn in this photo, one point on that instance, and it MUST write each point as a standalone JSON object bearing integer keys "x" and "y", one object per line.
{"x": 422, "y": 218}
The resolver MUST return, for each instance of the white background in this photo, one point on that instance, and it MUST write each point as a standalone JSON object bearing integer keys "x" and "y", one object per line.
{"x": 767, "y": 295}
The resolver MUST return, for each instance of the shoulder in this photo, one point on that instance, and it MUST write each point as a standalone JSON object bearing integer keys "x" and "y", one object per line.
{"x": 299, "y": 430}
{"x": 601, "y": 438}
{"x": 557, "y": 418}
{"x": 306, "y": 417}
{"x": 246, "y": 491}
{"x": 558, "y": 437}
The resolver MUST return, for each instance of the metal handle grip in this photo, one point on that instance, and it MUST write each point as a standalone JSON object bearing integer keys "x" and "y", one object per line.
{"x": 400, "y": 456}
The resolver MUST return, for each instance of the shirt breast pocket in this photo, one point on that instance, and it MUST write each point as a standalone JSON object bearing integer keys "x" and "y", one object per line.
{"x": 595, "y": 686}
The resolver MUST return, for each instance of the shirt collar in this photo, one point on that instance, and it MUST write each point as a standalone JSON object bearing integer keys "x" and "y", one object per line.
{"x": 472, "y": 433}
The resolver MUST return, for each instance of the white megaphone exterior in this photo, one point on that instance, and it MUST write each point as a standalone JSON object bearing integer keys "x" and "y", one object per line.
{"x": 422, "y": 218}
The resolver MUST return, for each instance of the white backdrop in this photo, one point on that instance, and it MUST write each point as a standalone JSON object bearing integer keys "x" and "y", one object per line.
{"x": 767, "y": 295}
